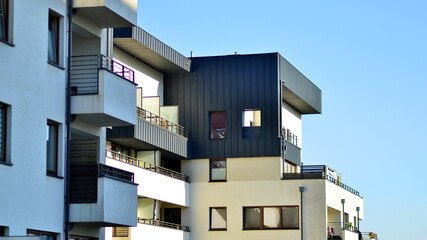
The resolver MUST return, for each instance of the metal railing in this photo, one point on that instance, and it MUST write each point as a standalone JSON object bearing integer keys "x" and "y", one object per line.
{"x": 334, "y": 230}
{"x": 116, "y": 173}
{"x": 350, "y": 227}
{"x": 289, "y": 136}
{"x": 139, "y": 163}
{"x": 166, "y": 124}
{"x": 163, "y": 224}
{"x": 85, "y": 74}
{"x": 319, "y": 175}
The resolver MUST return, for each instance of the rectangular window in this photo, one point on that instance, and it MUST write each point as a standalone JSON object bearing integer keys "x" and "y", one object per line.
{"x": 251, "y": 123}
{"x": 218, "y": 170}
{"x": 3, "y": 231}
{"x": 290, "y": 167}
{"x": 3, "y": 130}
{"x": 218, "y": 218}
{"x": 218, "y": 124}
{"x": 53, "y": 38}
{"x": 4, "y": 19}
{"x": 280, "y": 217}
{"x": 120, "y": 231}
{"x": 52, "y": 147}
{"x": 44, "y": 235}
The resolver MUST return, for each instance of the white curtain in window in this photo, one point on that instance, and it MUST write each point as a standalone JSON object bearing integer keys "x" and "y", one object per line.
{"x": 252, "y": 217}
{"x": 219, "y": 218}
{"x": 218, "y": 174}
{"x": 271, "y": 217}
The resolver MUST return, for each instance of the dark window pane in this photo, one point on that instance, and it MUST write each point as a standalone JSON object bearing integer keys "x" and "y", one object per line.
{"x": 3, "y": 19}
{"x": 52, "y": 146}
{"x": 252, "y": 218}
{"x": 218, "y": 125}
{"x": 53, "y": 38}
{"x": 290, "y": 217}
{"x": 2, "y": 133}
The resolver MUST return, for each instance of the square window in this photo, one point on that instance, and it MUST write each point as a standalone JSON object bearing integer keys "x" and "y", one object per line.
{"x": 218, "y": 124}
{"x": 3, "y": 131}
{"x": 290, "y": 217}
{"x": 53, "y": 38}
{"x": 218, "y": 170}
{"x": 251, "y": 118}
{"x": 218, "y": 218}
{"x": 3, "y": 231}
{"x": 52, "y": 147}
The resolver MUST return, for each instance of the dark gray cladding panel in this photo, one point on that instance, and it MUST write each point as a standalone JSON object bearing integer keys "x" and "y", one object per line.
{"x": 228, "y": 83}
{"x": 298, "y": 91}
{"x": 293, "y": 153}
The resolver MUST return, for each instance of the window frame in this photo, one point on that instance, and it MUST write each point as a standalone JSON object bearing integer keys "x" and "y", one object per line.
{"x": 54, "y": 16}
{"x": 261, "y": 220}
{"x": 51, "y": 123}
{"x": 210, "y": 219}
{"x": 210, "y": 170}
{"x": 3, "y": 156}
{"x": 210, "y": 125}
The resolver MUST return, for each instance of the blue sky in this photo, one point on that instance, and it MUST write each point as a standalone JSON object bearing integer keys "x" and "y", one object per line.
{"x": 368, "y": 57}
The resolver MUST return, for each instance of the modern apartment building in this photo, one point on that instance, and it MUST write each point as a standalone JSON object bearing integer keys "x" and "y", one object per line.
{"x": 108, "y": 133}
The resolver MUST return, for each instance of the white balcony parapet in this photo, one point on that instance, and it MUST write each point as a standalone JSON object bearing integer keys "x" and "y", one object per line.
{"x": 156, "y": 231}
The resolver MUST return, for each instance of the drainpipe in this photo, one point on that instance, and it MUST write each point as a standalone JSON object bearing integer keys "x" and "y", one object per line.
{"x": 301, "y": 189}
{"x": 343, "y": 213}
{"x": 68, "y": 123}
{"x": 358, "y": 209}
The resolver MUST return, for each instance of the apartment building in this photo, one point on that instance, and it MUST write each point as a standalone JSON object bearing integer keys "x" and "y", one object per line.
{"x": 108, "y": 133}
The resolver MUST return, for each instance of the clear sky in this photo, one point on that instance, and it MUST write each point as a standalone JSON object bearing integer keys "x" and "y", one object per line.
{"x": 368, "y": 57}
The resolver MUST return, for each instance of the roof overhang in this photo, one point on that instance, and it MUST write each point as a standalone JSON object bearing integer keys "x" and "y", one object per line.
{"x": 145, "y": 47}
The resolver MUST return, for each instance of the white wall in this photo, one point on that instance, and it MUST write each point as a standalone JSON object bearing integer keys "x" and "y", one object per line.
{"x": 36, "y": 92}
{"x": 144, "y": 231}
{"x": 291, "y": 119}
{"x": 146, "y": 77}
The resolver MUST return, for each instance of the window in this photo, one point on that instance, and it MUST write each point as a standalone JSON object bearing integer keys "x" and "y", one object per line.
{"x": 4, "y": 19}
{"x": 44, "y": 235}
{"x": 52, "y": 147}
{"x": 3, "y": 130}
{"x": 120, "y": 231}
{"x": 218, "y": 218}
{"x": 53, "y": 42}
{"x": 218, "y": 170}
{"x": 280, "y": 217}
{"x": 218, "y": 124}
{"x": 3, "y": 231}
{"x": 251, "y": 118}
{"x": 290, "y": 167}
{"x": 251, "y": 123}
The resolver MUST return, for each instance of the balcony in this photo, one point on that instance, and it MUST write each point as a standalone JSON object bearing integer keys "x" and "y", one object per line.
{"x": 108, "y": 13}
{"x": 291, "y": 151}
{"x": 152, "y": 132}
{"x": 312, "y": 172}
{"x": 153, "y": 181}
{"x": 338, "y": 231}
{"x": 96, "y": 191}
{"x": 154, "y": 229}
{"x": 103, "y": 91}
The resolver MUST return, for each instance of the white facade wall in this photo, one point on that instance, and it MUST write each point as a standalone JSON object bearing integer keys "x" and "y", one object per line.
{"x": 291, "y": 119}
{"x": 146, "y": 77}
{"x": 35, "y": 90}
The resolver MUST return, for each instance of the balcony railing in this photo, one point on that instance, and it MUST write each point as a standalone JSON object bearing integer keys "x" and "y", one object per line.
{"x": 148, "y": 166}
{"x": 289, "y": 136}
{"x": 85, "y": 74}
{"x": 163, "y": 224}
{"x": 166, "y": 124}
{"x": 319, "y": 175}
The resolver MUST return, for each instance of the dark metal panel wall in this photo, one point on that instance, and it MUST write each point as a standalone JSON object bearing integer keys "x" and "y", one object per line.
{"x": 228, "y": 83}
